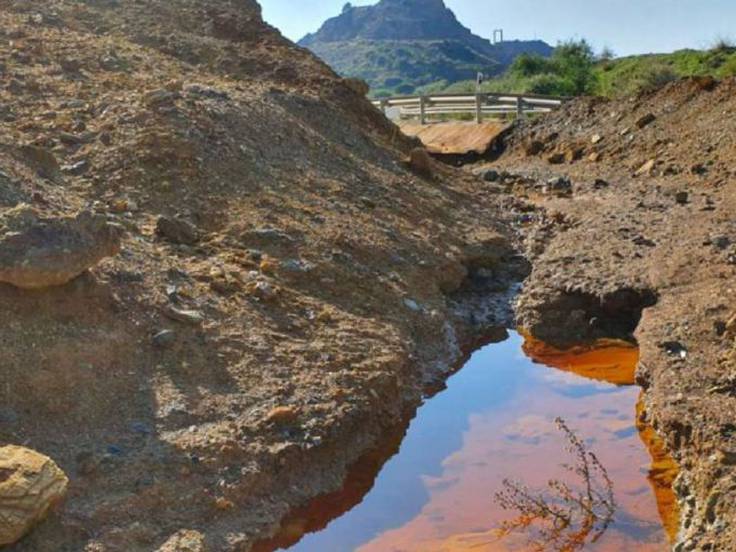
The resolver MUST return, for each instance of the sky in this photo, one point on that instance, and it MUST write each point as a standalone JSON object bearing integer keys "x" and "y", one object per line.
{"x": 626, "y": 26}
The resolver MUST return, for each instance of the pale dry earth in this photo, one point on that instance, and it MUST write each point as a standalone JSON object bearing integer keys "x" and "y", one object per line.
{"x": 282, "y": 293}
{"x": 456, "y": 138}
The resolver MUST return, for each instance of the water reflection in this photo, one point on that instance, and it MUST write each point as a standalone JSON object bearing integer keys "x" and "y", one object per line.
{"x": 567, "y": 515}
{"x": 495, "y": 421}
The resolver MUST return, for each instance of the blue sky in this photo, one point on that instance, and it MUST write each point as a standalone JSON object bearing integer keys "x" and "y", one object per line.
{"x": 627, "y": 26}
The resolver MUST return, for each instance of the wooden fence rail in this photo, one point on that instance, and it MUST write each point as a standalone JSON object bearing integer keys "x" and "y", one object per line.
{"x": 479, "y": 105}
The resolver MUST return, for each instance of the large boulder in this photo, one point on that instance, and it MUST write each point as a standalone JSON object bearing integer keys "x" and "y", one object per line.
{"x": 37, "y": 252}
{"x": 30, "y": 484}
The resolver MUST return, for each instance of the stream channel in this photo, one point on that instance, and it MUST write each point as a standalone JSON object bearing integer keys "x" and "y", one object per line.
{"x": 494, "y": 429}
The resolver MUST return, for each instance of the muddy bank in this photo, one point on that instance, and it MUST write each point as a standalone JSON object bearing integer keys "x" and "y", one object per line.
{"x": 626, "y": 208}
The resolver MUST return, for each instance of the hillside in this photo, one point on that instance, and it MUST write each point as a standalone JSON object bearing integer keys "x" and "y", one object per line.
{"x": 399, "y": 45}
{"x": 607, "y": 77}
{"x": 225, "y": 276}
{"x": 622, "y": 76}
{"x": 263, "y": 278}
{"x": 641, "y": 234}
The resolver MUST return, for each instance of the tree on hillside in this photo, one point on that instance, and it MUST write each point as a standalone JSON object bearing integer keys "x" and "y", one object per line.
{"x": 607, "y": 54}
{"x": 529, "y": 65}
{"x": 575, "y": 61}
{"x": 569, "y": 72}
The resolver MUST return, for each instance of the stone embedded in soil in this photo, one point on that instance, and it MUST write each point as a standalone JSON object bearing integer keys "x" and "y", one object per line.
{"x": 159, "y": 97}
{"x": 282, "y": 415}
{"x": 164, "y": 339}
{"x": 30, "y": 485}
{"x": 359, "y": 86}
{"x": 41, "y": 160}
{"x": 420, "y": 161}
{"x": 491, "y": 175}
{"x": 558, "y": 185}
{"x": 37, "y": 252}
{"x": 731, "y": 324}
{"x": 556, "y": 159}
{"x": 186, "y": 316}
{"x": 177, "y": 231}
{"x": 76, "y": 169}
{"x": 534, "y": 147}
{"x": 646, "y": 168}
{"x": 646, "y": 120}
{"x": 185, "y": 541}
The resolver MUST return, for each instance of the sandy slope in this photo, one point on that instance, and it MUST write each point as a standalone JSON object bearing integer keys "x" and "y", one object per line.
{"x": 302, "y": 267}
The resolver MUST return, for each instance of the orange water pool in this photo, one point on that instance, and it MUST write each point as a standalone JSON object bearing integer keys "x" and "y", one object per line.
{"x": 494, "y": 421}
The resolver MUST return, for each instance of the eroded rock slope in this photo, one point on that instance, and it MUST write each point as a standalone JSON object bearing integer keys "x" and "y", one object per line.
{"x": 629, "y": 223}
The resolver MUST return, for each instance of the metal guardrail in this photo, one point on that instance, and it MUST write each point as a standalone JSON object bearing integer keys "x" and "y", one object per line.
{"x": 479, "y": 105}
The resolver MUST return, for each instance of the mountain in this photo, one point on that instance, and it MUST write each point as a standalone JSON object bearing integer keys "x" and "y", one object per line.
{"x": 400, "y": 45}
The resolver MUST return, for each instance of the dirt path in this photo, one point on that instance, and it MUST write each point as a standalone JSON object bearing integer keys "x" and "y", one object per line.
{"x": 458, "y": 139}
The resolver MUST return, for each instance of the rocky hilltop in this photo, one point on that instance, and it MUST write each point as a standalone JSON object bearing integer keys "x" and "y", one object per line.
{"x": 401, "y": 44}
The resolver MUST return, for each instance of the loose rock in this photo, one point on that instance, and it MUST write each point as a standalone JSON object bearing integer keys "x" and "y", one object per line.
{"x": 646, "y": 120}
{"x": 534, "y": 147}
{"x": 38, "y": 253}
{"x": 421, "y": 162}
{"x": 30, "y": 485}
{"x": 41, "y": 160}
{"x": 282, "y": 415}
{"x": 164, "y": 338}
{"x": 183, "y": 315}
{"x": 491, "y": 175}
{"x": 646, "y": 168}
{"x": 556, "y": 159}
{"x": 177, "y": 231}
{"x": 185, "y": 541}
{"x": 558, "y": 185}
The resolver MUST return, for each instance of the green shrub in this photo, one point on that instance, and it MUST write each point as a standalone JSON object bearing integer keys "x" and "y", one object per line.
{"x": 728, "y": 69}
{"x": 653, "y": 76}
{"x": 528, "y": 65}
{"x": 574, "y": 62}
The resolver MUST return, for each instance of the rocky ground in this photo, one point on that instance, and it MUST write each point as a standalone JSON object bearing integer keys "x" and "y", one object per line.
{"x": 226, "y": 275}
{"x": 630, "y": 229}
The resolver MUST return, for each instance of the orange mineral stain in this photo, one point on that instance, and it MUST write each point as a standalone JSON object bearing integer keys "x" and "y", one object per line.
{"x": 608, "y": 360}
{"x": 662, "y": 474}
